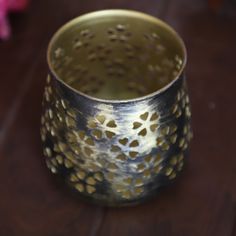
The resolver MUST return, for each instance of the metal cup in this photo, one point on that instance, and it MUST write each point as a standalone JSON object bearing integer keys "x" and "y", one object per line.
{"x": 116, "y": 113}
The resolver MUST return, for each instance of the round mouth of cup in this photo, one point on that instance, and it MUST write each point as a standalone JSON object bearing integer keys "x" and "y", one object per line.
{"x": 116, "y": 55}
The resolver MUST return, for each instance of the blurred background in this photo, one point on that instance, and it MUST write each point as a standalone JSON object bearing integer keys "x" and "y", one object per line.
{"x": 203, "y": 200}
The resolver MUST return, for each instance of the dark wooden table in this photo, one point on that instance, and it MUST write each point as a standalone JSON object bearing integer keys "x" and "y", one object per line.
{"x": 201, "y": 203}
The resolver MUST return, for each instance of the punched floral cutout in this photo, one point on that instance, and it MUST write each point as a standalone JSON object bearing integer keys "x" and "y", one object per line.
{"x": 60, "y": 156}
{"x": 125, "y": 144}
{"x": 102, "y": 127}
{"x": 175, "y": 165}
{"x": 181, "y": 105}
{"x": 83, "y": 40}
{"x": 80, "y": 143}
{"x": 151, "y": 164}
{"x": 147, "y": 123}
{"x": 167, "y": 136}
{"x": 118, "y": 33}
{"x": 185, "y": 139}
{"x": 129, "y": 187}
{"x": 84, "y": 182}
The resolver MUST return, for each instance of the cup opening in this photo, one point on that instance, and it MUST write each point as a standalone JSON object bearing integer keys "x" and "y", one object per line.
{"x": 116, "y": 55}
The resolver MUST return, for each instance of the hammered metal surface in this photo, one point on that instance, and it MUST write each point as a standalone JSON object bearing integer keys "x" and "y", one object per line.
{"x": 116, "y": 152}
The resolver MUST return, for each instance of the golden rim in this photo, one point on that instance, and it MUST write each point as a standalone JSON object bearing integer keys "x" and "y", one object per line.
{"x": 117, "y": 12}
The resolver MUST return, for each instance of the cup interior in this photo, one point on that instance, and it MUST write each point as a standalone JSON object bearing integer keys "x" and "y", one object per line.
{"x": 116, "y": 54}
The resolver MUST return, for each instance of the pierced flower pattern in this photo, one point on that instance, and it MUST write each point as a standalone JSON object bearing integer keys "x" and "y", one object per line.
{"x": 84, "y": 182}
{"x": 181, "y": 106}
{"x": 148, "y": 122}
{"x": 185, "y": 139}
{"x": 118, "y": 33}
{"x": 167, "y": 136}
{"x": 61, "y": 60}
{"x": 175, "y": 165}
{"x": 126, "y": 148}
{"x": 83, "y": 40}
{"x": 102, "y": 127}
{"x": 129, "y": 187}
{"x": 151, "y": 164}
{"x": 80, "y": 143}
{"x": 57, "y": 159}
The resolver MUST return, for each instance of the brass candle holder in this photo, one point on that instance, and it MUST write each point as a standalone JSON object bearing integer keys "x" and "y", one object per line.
{"x": 116, "y": 113}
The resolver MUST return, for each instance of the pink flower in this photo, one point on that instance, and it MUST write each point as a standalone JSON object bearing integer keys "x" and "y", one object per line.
{"x": 5, "y": 7}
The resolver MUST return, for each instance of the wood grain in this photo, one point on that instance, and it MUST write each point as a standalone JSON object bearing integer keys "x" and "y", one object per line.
{"x": 203, "y": 200}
